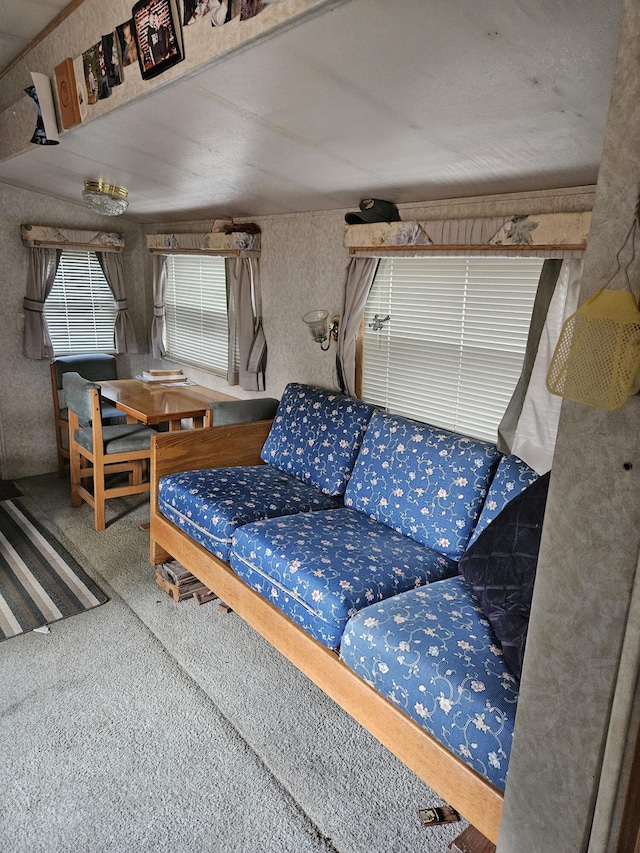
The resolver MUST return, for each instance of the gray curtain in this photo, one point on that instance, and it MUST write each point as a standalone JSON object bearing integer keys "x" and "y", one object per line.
{"x": 360, "y": 275}
{"x": 159, "y": 292}
{"x": 43, "y": 265}
{"x": 546, "y": 287}
{"x": 247, "y": 344}
{"x": 113, "y": 269}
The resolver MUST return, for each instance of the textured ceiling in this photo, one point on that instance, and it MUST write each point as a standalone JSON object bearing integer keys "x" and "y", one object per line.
{"x": 23, "y": 20}
{"x": 407, "y": 101}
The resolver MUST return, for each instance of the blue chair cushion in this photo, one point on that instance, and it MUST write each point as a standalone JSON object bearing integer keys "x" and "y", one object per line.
{"x": 242, "y": 411}
{"x": 512, "y": 477}
{"x": 110, "y": 415}
{"x": 321, "y": 567}
{"x": 210, "y": 504}
{"x": 432, "y": 653}
{"x": 316, "y": 436}
{"x": 120, "y": 438}
{"x": 424, "y": 482}
{"x": 93, "y": 366}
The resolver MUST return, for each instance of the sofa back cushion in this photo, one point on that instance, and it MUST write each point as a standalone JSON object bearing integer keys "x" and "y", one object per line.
{"x": 512, "y": 477}
{"x": 316, "y": 436}
{"x": 425, "y": 482}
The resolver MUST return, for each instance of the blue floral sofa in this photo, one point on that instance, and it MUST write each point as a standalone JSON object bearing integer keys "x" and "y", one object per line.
{"x": 337, "y": 531}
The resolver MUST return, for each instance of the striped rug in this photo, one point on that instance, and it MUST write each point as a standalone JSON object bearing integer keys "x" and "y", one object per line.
{"x": 40, "y": 582}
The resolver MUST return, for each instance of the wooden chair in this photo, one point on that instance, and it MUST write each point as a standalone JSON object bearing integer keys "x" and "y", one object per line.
{"x": 97, "y": 451}
{"x": 93, "y": 366}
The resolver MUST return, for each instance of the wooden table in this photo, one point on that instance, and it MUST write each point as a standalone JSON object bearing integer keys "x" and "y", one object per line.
{"x": 158, "y": 403}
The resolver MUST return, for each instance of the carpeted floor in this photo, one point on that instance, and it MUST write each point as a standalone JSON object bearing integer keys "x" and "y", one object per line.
{"x": 151, "y": 725}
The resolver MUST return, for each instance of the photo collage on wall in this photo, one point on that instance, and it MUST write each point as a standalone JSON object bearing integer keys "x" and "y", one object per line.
{"x": 151, "y": 39}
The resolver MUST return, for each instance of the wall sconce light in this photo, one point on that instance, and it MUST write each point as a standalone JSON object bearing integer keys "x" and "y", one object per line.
{"x": 321, "y": 330}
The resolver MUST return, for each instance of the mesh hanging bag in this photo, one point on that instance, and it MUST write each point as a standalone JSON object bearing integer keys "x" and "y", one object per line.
{"x": 597, "y": 357}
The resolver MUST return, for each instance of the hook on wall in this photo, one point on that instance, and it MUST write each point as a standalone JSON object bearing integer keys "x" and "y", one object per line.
{"x": 378, "y": 322}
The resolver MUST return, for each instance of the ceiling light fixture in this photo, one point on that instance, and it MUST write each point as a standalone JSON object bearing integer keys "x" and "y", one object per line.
{"x": 105, "y": 199}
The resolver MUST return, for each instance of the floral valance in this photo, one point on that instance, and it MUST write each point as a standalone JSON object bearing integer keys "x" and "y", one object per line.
{"x": 234, "y": 244}
{"x": 59, "y": 238}
{"x": 547, "y": 235}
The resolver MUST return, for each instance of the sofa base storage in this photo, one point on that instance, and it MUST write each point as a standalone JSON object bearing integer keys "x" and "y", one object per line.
{"x": 180, "y": 584}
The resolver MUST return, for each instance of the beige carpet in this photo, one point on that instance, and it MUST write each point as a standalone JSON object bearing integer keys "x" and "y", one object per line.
{"x": 154, "y": 725}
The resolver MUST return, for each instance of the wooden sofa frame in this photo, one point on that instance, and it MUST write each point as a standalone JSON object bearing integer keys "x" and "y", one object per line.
{"x": 240, "y": 444}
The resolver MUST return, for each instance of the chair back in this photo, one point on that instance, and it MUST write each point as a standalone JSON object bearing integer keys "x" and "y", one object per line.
{"x": 224, "y": 412}
{"x": 77, "y": 393}
{"x": 93, "y": 366}
{"x": 97, "y": 450}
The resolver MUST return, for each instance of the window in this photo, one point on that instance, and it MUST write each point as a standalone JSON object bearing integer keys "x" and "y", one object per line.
{"x": 452, "y": 351}
{"x": 196, "y": 323}
{"x": 80, "y": 310}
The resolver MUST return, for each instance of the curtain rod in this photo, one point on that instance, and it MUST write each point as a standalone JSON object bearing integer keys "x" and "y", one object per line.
{"x": 468, "y": 248}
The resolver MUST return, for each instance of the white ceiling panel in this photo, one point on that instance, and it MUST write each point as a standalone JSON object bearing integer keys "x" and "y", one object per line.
{"x": 408, "y": 101}
{"x": 21, "y": 21}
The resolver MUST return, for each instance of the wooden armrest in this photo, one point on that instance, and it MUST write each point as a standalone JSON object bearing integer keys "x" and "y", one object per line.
{"x": 213, "y": 447}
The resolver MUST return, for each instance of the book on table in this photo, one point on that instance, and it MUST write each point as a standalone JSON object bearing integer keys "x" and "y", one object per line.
{"x": 162, "y": 376}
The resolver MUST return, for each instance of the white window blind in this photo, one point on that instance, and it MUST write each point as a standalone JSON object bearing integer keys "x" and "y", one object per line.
{"x": 197, "y": 328}
{"x": 80, "y": 310}
{"x": 452, "y": 351}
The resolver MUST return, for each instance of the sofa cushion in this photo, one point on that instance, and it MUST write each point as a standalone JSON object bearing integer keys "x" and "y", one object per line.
{"x": 500, "y": 568}
{"x": 512, "y": 477}
{"x": 319, "y": 568}
{"x": 424, "y": 482}
{"x": 316, "y": 436}
{"x": 210, "y": 504}
{"x": 432, "y": 653}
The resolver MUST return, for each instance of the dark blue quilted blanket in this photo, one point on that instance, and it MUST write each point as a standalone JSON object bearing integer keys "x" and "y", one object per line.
{"x": 500, "y": 568}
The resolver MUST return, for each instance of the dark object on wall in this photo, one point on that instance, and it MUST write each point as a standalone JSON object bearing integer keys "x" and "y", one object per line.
{"x": 241, "y": 228}
{"x": 373, "y": 210}
{"x": 46, "y": 132}
{"x": 158, "y": 36}
{"x": 500, "y": 569}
